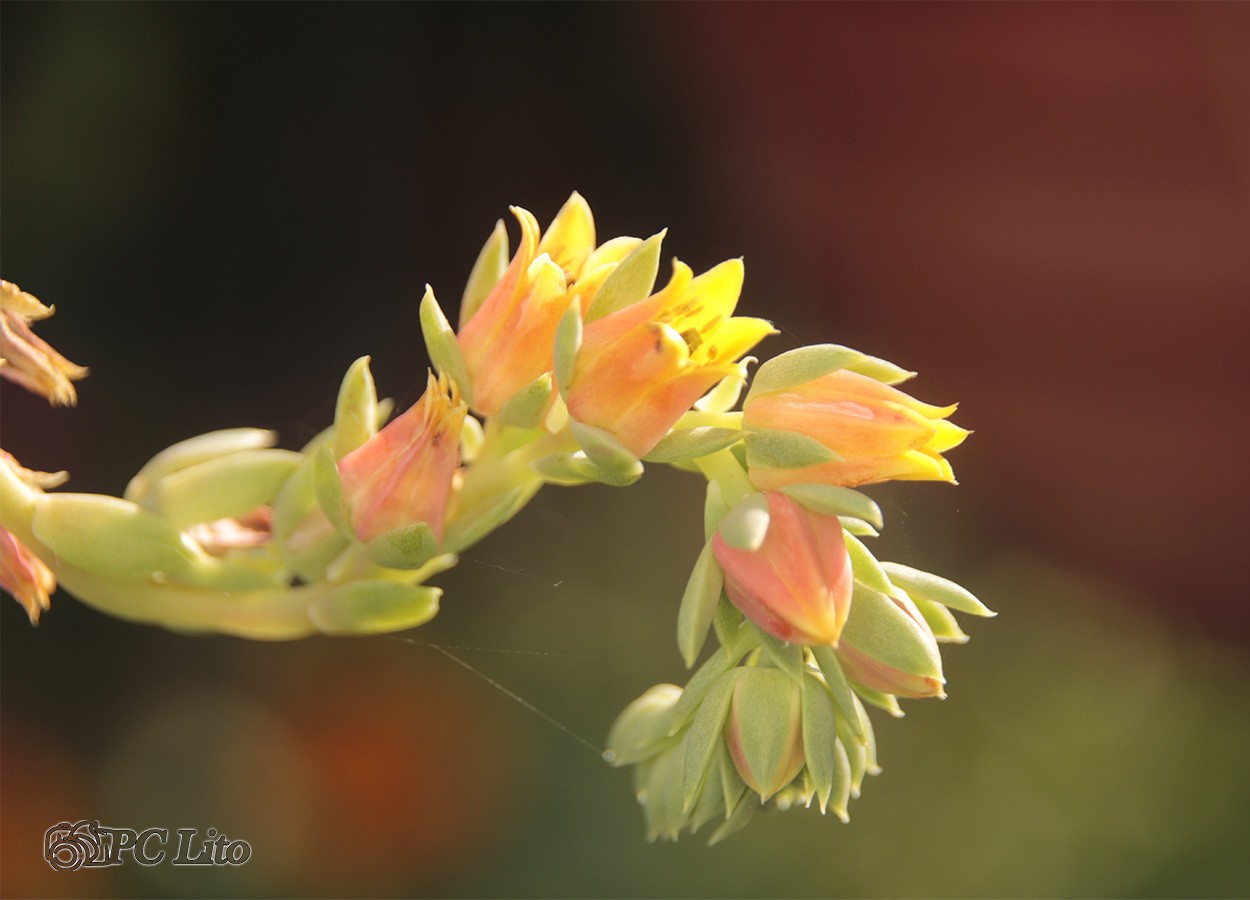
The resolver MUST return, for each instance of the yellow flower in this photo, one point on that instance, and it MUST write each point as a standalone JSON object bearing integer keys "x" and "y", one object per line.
{"x": 403, "y": 474}
{"x": 879, "y": 432}
{"x": 24, "y": 357}
{"x": 507, "y": 342}
{"x": 640, "y": 368}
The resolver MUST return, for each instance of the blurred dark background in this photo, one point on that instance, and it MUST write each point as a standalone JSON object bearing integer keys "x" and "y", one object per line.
{"x": 1045, "y": 209}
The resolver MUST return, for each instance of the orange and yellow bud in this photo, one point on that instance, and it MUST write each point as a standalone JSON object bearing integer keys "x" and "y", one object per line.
{"x": 640, "y": 368}
{"x": 797, "y": 586}
{"x": 27, "y": 359}
{"x": 879, "y": 432}
{"x": 403, "y": 474}
{"x": 507, "y": 342}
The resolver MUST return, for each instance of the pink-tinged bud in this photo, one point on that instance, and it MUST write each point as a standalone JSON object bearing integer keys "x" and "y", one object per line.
{"x": 797, "y": 585}
{"x": 764, "y": 732}
{"x": 25, "y": 358}
{"x": 889, "y": 647}
{"x": 879, "y": 432}
{"x": 25, "y": 576}
{"x": 640, "y": 368}
{"x": 403, "y": 474}
{"x": 507, "y": 343}
{"x": 219, "y": 537}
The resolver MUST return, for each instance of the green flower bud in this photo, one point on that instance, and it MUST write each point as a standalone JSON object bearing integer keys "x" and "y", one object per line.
{"x": 764, "y": 733}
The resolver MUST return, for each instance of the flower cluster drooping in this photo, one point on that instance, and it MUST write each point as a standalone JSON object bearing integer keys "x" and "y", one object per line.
{"x": 568, "y": 366}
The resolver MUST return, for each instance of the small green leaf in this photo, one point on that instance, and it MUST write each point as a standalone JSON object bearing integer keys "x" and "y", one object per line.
{"x": 839, "y": 689}
{"x": 746, "y": 525}
{"x": 527, "y": 407}
{"x": 723, "y": 397}
{"x": 879, "y": 699}
{"x": 606, "y": 452}
{"x": 630, "y": 281}
{"x": 223, "y": 487}
{"x": 785, "y": 450}
{"x": 835, "y": 501}
{"x": 728, "y": 624}
{"x": 858, "y": 527}
{"x": 926, "y": 586}
{"x": 706, "y": 734}
{"x": 786, "y": 657}
{"x": 467, "y": 528}
{"x": 328, "y": 488}
{"x": 491, "y": 263}
{"x": 820, "y": 737}
{"x": 441, "y": 344}
{"x": 748, "y": 805}
{"x": 408, "y": 547}
{"x": 374, "y": 607}
{"x": 356, "y": 412}
{"x": 697, "y": 687}
{"x": 568, "y": 469}
{"x": 809, "y": 363}
{"x": 714, "y": 509}
{"x": 108, "y": 536}
{"x": 840, "y": 788}
{"x": 867, "y": 570}
{"x": 691, "y": 443}
{"x": 698, "y": 605}
{"x": 193, "y": 451}
{"x": 942, "y": 623}
{"x": 568, "y": 344}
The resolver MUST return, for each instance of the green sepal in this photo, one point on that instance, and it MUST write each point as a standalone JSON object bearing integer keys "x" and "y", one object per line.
{"x": 927, "y": 586}
{"x": 857, "y": 527}
{"x": 328, "y": 489}
{"x": 193, "y": 451}
{"x": 691, "y": 443}
{"x": 806, "y": 364}
{"x": 566, "y": 469}
{"x": 865, "y": 566}
{"x": 642, "y": 729}
{"x": 737, "y": 820}
{"x": 880, "y": 628}
{"x": 855, "y": 747}
{"x": 941, "y": 622}
{"x": 374, "y": 606}
{"x": 528, "y": 407}
{"x": 835, "y": 501}
{"x": 607, "y": 453}
{"x": 407, "y": 547}
{"x": 489, "y": 267}
{"x": 840, "y": 789}
{"x": 630, "y": 281}
{"x": 714, "y": 509}
{"x": 728, "y": 623}
{"x": 785, "y": 450}
{"x": 711, "y": 800}
{"x": 356, "y": 412}
{"x": 746, "y": 525}
{"x": 731, "y": 784}
{"x": 698, "y": 605}
{"x": 223, "y": 487}
{"x": 110, "y": 537}
{"x": 820, "y": 737}
{"x": 463, "y": 531}
{"x": 706, "y": 733}
{"x": 441, "y": 344}
{"x": 568, "y": 344}
{"x": 879, "y": 699}
{"x": 697, "y": 687}
{"x": 786, "y": 657}
{"x": 839, "y": 689}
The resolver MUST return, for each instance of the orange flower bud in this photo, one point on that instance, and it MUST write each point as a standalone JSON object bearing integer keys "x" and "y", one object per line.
{"x": 640, "y": 368}
{"x": 879, "y": 432}
{"x": 403, "y": 474}
{"x": 797, "y": 586}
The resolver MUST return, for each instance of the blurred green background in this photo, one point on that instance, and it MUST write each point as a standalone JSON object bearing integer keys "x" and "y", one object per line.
{"x": 1044, "y": 209}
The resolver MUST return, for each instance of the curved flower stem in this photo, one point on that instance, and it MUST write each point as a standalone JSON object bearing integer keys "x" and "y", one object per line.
{"x": 723, "y": 468}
